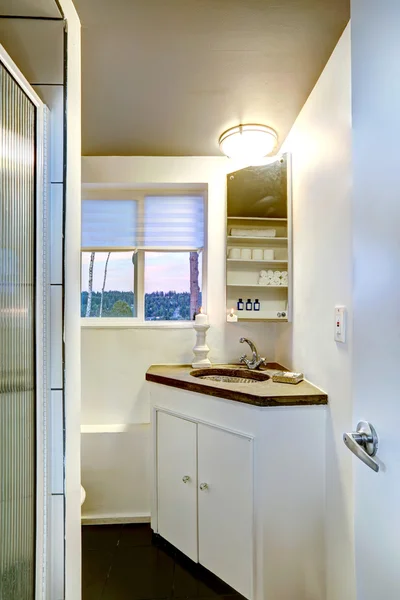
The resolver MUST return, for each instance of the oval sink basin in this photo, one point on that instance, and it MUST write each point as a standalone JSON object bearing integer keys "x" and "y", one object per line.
{"x": 230, "y": 375}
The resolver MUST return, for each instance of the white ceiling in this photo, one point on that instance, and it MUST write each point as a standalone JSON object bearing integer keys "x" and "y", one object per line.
{"x": 29, "y": 8}
{"x": 35, "y": 42}
{"x": 37, "y": 47}
{"x": 167, "y": 77}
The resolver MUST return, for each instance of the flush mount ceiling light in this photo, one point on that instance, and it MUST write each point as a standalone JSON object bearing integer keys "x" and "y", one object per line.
{"x": 248, "y": 141}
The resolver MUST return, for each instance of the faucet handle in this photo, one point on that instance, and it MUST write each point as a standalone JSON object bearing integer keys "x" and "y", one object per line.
{"x": 243, "y": 358}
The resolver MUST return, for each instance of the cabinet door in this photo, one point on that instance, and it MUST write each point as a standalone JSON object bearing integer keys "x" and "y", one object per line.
{"x": 225, "y": 465}
{"x": 177, "y": 482}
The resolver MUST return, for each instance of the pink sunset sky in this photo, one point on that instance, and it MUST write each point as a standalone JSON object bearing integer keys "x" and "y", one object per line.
{"x": 163, "y": 271}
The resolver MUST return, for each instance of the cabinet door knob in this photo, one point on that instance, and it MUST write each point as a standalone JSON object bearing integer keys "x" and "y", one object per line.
{"x": 185, "y": 478}
{"x": 204, "y": 486}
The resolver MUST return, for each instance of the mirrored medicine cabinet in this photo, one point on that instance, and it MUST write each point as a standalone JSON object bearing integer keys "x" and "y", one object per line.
{"x": 259, "y": 242}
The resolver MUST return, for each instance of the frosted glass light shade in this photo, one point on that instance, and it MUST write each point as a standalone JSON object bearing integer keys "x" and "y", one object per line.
{"x": 248, "y": 141}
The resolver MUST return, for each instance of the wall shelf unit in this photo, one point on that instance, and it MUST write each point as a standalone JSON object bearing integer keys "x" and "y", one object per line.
{"x": 258, "y": 262}
{"x": 266, "y": 219}
{"x": 258, "y": 240}
{"x": 252, "y": 250}
{"x": 257, "y": 286}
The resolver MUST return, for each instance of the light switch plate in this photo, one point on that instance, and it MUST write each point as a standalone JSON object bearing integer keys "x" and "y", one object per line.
{"x": 340, "y": 324}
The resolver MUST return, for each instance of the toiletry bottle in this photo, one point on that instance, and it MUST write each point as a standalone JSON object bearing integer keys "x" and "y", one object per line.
{"x": 257, "y": 304}
{"x": 249, "y": 304}
{"x": 240, "y": 305}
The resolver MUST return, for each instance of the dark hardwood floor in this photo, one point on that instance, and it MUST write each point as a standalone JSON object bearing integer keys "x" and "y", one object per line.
{"x": 126, "y": 562}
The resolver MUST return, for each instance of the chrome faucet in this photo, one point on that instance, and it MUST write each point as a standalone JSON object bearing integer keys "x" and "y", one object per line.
{"x": 256, "y": 360}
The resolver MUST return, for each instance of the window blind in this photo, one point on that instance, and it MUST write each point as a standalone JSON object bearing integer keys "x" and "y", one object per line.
{"x": 173, "y": 221}
{"x": 160, "y": 222}
{"x": 109, "y": 223}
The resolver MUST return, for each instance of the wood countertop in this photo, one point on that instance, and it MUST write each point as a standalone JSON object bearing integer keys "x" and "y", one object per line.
{"x": 261, "y": 393}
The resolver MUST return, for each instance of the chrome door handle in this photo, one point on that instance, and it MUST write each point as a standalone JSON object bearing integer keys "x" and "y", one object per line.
{"x": 185, "y": 478}
{"x": 204, "y": 486}
{"x": 363, "y": 443}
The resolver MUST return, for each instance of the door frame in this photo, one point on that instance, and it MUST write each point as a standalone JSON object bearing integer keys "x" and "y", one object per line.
{"x": 42, "y": 325}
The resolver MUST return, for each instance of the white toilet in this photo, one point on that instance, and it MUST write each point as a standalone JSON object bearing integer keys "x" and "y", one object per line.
{"x": 83, "y": 494}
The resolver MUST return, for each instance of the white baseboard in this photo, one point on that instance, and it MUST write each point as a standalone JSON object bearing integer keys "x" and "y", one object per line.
{"x": 114, "y": 519}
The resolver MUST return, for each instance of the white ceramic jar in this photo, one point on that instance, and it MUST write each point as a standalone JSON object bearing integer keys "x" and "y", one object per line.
{"x": 257, "y": 254}
{"x": 268, "y": 254}
{"x": 234, "y": 253}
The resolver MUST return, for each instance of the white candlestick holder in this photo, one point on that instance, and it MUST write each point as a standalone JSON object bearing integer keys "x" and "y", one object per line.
{"x": 201, "y": 349}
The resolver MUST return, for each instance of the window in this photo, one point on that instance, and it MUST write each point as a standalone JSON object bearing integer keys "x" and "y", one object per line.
{"x": 142, "y": 256}
{"x": 162, "y": 303}
{"x": 113, "y": 289}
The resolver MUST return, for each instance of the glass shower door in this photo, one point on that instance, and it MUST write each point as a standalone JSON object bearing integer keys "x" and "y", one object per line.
{"x": 17, "y": 342}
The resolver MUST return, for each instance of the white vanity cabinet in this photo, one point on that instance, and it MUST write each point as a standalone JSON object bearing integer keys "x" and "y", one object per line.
{"x": 225, "y": 506}
{"x": 177, "y": 482}
{"x": 259, "y": 522}
{"x": 205, "y": 496}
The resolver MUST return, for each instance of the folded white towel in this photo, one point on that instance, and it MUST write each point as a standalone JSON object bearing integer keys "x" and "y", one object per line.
{"x": 261, "y": 233}
{"x": 265, "y": 232}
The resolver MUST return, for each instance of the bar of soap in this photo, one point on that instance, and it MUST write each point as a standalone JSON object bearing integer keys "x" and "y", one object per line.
{"x": 287, "y": 377}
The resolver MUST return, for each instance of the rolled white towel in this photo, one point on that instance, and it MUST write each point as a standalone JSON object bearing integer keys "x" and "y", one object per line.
{"x": 266, "y": 278}
{"x": 277, "y": 277}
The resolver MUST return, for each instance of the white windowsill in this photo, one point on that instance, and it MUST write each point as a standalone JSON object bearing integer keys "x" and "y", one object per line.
{"x": 110, "y": 427}
{"x": 131, "y": 323}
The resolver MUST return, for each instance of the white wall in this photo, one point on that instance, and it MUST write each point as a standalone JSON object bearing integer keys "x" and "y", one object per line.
{"x": 114, "y": 361}
{"x": 118, "y": 483}
{"x": 321, "y": 145}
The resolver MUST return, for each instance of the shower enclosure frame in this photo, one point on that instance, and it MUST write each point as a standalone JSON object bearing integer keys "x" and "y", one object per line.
{"x": 42, "y": 327}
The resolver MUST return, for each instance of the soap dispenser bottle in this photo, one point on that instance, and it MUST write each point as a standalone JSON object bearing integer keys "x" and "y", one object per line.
{"x": 249, "y": 304}
{"x": 257, "y": 304}
{"x": 240, "y": 304}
